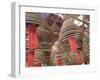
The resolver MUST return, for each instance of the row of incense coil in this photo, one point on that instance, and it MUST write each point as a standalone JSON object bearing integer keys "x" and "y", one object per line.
{"x": 32, "y": 42}
{"x": 33, "y": 18}
{"x": 33, "y": 58}
{"x": 71, "y": 41}
{"x": 59, "y": 57}
{"x": 69, "y": 32}
{"x": 31, "y": 45}
{"x": 67, "y": 57}
{"x": 68, "y": 29}
{"x": 46, "y": 35}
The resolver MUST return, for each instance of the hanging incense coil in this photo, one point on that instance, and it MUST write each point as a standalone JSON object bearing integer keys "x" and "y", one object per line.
{"x": 33, "y": 18}
{"x": 44, "y": 36}
{"x": 68, "y": 29}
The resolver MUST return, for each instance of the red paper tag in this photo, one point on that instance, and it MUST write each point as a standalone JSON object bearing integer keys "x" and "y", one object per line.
{"x": 30, "y": 60}
{"x": 73, "y": 45}
{"x": 59, "y": 60}
{"x": 33, "y": 41}
{"x": 79, "y": 58}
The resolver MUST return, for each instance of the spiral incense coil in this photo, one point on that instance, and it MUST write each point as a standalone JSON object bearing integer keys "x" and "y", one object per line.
{"x": 41, "y": 29}
{"x": 32, "y": 18}
{"x": 68, "y": 29}
{"x": 44, "y": 37}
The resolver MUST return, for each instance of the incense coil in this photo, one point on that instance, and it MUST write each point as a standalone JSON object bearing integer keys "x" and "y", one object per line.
{"x": 44, "y": 37}
{"x": 69, "y": 29}
{"x": 41, "y": 29}
{"x": 33, "y": 18}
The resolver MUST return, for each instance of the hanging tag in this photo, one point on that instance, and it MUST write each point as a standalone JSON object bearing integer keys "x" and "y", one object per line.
{"x": 30, "y": 60}
{"x": 59, "y": 60}
{"x": 72, "y": 43}
{"x": 73, "y": 47}
{"x": 33, "y": 41}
